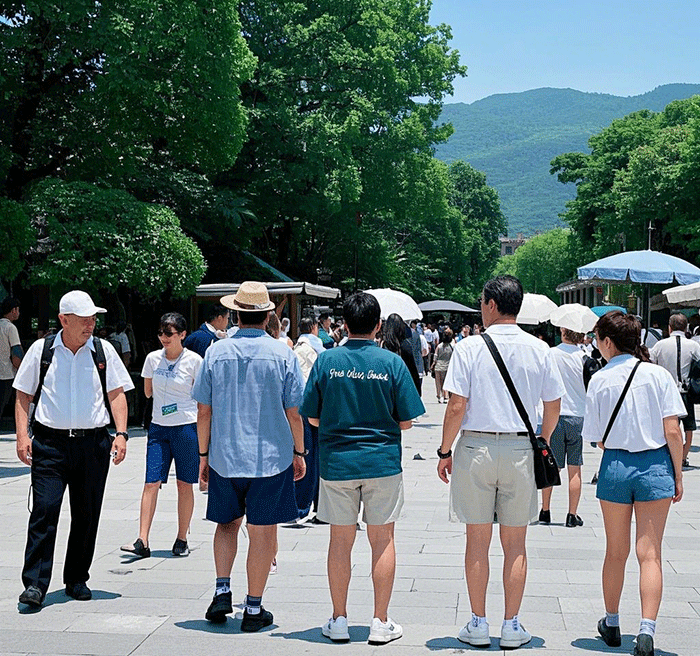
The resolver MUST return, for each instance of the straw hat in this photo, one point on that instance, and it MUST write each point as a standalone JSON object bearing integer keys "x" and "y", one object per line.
{"x": 250, "y": 297}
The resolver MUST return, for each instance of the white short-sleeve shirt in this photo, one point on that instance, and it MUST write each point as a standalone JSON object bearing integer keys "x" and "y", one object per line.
{"x": 665, "y": 353}
{"x": 474, "y": 375}
{"x": 639, "y": 426}
{"x": 569, "y": 361}
{"x": 9, "y": 337}
{"x": 173, "y": 380}
{"x": 71, "y": 396}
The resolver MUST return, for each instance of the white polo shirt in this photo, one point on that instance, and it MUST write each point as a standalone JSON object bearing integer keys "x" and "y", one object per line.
{"x": 474, "y": 375}
{"x": 639, "y": 426}
{"x": 569, "y": 361}
{"x": 665, "y": 353}
{"x": 172, "y": 382}
{"x": 71, "y": 396}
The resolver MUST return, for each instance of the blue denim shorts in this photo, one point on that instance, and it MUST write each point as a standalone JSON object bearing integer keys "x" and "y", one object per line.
{"x": 626, "y": 477}
{"x": 168, "y": 443}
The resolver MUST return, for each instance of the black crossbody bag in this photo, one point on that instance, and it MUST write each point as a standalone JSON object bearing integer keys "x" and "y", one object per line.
{"x": 546, "y": 468}
{"x": 616, "y": 410}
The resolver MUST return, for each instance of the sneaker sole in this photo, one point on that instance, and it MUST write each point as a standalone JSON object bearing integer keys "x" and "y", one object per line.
{"x": 476, "y": 642}
{"x": 216, "y": 618}
{"x": 382, "y": 640}
{"x": 332, "y": 638}
{"x": 33, "y": 603}
{"x": 513, "y": 644}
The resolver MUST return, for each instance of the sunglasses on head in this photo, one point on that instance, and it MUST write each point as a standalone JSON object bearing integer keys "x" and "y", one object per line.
{"x": 167, "y": 333}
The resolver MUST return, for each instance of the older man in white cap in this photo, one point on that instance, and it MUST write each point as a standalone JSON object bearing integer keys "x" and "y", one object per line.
{"x": 251, "y": 444}
{"x": 75, "y": 381}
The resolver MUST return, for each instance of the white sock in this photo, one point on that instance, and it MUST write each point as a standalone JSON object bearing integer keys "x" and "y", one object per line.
{"x": 612, "y": 619}
{"x": 513, "y": 622}
{"x": 647, "y": 626}
{"x": 476, "y": 620}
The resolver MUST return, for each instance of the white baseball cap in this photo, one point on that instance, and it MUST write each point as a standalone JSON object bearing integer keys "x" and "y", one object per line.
{"x": 79, "y": 303}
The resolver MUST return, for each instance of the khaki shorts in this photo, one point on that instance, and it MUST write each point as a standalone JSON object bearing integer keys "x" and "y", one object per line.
{"x": 339, "y": 501}
{"x": 493, "y": 472}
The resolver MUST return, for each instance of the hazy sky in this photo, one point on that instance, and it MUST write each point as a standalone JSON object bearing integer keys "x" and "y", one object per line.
{"x": 622, "y": 47}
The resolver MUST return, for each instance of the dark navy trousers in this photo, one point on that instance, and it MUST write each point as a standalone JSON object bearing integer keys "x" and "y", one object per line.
{"x": 306, "y": 489}
{"x": 82, "y": 465}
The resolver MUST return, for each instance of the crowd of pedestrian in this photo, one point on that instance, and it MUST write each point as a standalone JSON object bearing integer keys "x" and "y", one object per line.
{"x": 272, "y": 429}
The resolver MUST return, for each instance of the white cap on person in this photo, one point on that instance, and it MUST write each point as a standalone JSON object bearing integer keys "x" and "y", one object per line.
{"x": 79, "y": 303}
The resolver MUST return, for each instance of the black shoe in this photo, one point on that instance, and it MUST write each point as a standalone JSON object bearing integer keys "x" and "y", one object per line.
{"x": 644, "y": 646}
{"x": 78, "y": 591}
{"x": 545, "y": 517}
{"x": 253, "y": 623}
{"x": 316, "y": 520}
{"x": 685, "y": 465}
{"x": 610, "y": 634}
{"x": 138, "y": 548}
{"x": 219, "y": 608}
{"x": 573, "y": 520}
{"x": 594, "y": 480}
{"x": 180, "y": 548}
{"x": 32, "y": 596}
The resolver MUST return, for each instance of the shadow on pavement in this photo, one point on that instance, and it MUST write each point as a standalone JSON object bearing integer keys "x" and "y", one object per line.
{"x": 226, "y": 627}
{"x": 357, "y": 634}
{"x": 13, "y": 472}
{"x": 597, "y": 645}
{"x": 451, "y": 642}
{"x": 60, "y": 597}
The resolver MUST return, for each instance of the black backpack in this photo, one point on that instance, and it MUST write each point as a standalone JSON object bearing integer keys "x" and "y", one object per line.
{"x": 98, "y": 356}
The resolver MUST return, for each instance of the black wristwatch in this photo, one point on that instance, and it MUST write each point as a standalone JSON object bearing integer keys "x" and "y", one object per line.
{"x": 301, "y": 454}
{"x": 444, "y": 456}
{"x": 123, "y": 434}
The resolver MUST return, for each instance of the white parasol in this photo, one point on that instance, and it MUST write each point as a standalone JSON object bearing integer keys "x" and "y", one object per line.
{"x": 574, "y": 316}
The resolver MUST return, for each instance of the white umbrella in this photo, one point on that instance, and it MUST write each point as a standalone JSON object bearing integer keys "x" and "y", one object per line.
{"x": 574, "y": 316}
{"x": 535, "y": 309}
{"x": 392, "y": 301}
{"x": 689, "y": 294}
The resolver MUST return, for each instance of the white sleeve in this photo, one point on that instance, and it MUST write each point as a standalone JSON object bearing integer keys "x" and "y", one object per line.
{"x": 552, "y": 385}
{"x": 27, "y": 376}
{"x": 117, "y": 375}
{"x": 147, "y": 371}
{"x": 457, "y": 379}
{"x": 591, "y": 421}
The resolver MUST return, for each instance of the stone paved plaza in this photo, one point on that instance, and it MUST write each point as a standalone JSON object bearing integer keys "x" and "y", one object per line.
{"x": 155, "y": 607}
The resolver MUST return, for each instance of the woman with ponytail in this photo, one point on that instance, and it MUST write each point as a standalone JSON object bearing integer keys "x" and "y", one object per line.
{"x": 640, "y": 470}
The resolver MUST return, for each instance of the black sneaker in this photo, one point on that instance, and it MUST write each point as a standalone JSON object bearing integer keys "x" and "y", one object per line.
{"x": 180, "y": 548}
{"x": 219, "y": 608}
{"x": 138, "y": 549}
{"x": 610, "y": 634}
{"x": 573, "y": 520}
{"x": 253, "y": 623}
{"x": 78, "y": 591}
{"x": 317, "y": 521}
{"x": 594, "y": 480}
{"x": 545, "y": 517}
{"x": 32, "y": 596}
{"x": 644, "y": 646}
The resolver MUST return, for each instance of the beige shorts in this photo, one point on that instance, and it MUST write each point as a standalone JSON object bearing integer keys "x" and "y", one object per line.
{"x": 493, "y": 472}
{"x": 339, "y": 501}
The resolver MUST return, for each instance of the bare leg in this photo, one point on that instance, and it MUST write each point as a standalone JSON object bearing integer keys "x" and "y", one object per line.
{"x": 651, "y": 521}
{"x": 514, "y": 567}
{"x": 225, "y": 547}
{"x": 263, "y": 543}
{"x": 381, "y": 539}
{"x": 546, "y": 497}
{"x": 617, "y": 518}
{"x": 149, "y": 498}
{"x": 185, "y": 508}
{"x": 574, "y": 487}
{"x": 339, "y": 566}
{"x": 476, "y": 565}
{"x": 686, "y": 446}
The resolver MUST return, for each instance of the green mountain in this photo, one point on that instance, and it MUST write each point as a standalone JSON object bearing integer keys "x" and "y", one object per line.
{"x": 513, "y": 137}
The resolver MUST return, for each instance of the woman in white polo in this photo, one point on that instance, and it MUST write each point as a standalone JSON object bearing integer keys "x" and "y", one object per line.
{"x": 640, "y": 470}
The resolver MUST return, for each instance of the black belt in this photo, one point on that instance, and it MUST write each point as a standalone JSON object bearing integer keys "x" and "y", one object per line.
{"x": 69, "y": 432}
{"x": 519, "y": 433}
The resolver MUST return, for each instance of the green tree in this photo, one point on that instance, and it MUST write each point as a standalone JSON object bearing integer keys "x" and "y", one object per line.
{"x": 104, "y": 240}
{"x": 338, "y": 146}
{"x": 16, "y": 235}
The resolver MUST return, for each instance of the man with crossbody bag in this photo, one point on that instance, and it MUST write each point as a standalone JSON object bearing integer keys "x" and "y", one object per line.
{"x": 676, "y": 354}
{"x": 493, "y": 463}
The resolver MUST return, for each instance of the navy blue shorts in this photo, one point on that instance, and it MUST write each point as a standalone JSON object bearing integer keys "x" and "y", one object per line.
{"x": 166, "y": 443}
{"x": 264, "y": 501}
{"x": 626, "y": 477}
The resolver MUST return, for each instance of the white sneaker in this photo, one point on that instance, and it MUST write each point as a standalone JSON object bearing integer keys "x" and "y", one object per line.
{"x": 475, "y": 635}
{"x": 336, "y": 629}
{"x": 513, "y": 638}
{"x": 382, "y": 632}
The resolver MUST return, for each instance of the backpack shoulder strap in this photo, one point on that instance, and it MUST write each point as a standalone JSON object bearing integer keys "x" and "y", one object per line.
{"x": 98, "y": 356}
{"x": 44, "y": 364}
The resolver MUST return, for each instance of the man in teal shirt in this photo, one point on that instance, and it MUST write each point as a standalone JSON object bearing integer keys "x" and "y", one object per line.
{"x": 361, "y": 397}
